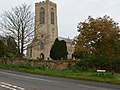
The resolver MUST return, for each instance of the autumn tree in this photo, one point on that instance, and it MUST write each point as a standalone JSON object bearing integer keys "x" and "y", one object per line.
{"x": 98, "y": 38}
{"x": 18, "y": 22}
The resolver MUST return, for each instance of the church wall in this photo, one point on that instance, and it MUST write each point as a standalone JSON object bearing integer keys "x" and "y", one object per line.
{"x": 70, "y": 49}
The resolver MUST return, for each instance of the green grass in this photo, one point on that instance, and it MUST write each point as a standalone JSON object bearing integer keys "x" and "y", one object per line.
{"x": 74, "y": 73}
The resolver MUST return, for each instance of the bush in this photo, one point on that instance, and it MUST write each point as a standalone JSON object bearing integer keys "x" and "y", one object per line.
{"x": 115, "y": 64}
{"x": 99, "y": 63}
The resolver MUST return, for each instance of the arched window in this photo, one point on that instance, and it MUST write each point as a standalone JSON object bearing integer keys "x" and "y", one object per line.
{"x": 52, "y": 16}
{"x": 42, "y": 16}
{"x": 42, "y": 56}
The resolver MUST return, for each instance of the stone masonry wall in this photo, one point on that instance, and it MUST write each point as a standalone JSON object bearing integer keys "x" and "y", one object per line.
{"x": 59, "y": 65}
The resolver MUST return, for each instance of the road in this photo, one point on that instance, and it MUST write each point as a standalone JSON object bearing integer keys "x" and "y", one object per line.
{"x": 12, "y": 80}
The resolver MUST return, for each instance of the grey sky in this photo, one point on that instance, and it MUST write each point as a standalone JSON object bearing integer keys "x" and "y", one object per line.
{"x": 71, "y": 12}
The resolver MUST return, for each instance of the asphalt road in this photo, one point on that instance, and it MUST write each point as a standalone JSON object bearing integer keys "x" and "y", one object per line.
{"x": 12, "y": 80}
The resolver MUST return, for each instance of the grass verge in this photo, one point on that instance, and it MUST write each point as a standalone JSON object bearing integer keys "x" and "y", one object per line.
{"x": 74, "y": 73}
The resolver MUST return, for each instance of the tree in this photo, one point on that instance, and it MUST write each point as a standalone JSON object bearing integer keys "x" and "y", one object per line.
{"x": 54, "y": 49}
{"x": 63, "y": 49}
{"x": 19, "y": 23}
{"x": 2, "y": 47}
{"x": 58, "y": 50}
{"x": 11, "y": 46}
{"x": 98, "y": 38}
{"x": 8, "y": 46}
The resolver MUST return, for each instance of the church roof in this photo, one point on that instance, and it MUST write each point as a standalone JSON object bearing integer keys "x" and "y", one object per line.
{"x": 66, "y": 39}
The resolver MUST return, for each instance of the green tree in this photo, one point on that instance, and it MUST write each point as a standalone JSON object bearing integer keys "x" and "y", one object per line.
{"x": 58, "y": 50}
{"x": 11, "y": 46}
{"x": 63, "y": 49}
{"x": 8, "y": 47}
{"x": 2, "y": 47}
{"x": 54, "y": 49}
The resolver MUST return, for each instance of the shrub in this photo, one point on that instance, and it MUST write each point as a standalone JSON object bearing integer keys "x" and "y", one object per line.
{"x": 115, "y": 64}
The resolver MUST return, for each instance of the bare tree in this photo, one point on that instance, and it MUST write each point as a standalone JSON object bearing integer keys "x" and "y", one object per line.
{"x": 19, "y": 22}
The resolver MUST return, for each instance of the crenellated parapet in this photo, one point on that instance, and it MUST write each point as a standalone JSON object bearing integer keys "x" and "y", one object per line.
{"x": 45, "y": 2}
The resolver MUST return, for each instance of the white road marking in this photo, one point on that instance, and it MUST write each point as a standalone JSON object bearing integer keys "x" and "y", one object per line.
{"x": 13, "y": 86}
{"x": 4, "y": 86}
{"x": 28, "y": 77}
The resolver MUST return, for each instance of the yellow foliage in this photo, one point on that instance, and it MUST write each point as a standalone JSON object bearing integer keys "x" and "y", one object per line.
{"x": 98, "y": 36}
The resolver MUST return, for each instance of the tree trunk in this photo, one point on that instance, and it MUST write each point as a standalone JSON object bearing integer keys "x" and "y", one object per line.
{"x": 22, "y": 43}
{"x": 18, "y": 47}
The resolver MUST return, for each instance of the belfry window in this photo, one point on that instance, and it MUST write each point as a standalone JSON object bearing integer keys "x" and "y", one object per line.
{"x": 42, "y": 16}
{"x": 52, "y": 17}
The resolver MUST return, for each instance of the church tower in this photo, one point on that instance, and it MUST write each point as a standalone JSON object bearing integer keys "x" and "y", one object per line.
{"x": 46, "y": 29}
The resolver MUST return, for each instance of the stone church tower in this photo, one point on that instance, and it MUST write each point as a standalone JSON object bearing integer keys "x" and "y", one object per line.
{"x": 46, "y": 30}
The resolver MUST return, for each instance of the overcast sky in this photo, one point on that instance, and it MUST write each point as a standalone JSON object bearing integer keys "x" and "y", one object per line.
{"x": 71, "y": 12}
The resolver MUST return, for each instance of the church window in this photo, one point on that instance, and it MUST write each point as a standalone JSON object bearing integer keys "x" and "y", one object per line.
{"x": 52, "y": 17}
{"x": 41, "y": 36}
{"x": 41, "y": 45}
{"x": 42, "y": 56}
{"x": 42, "y": 16}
